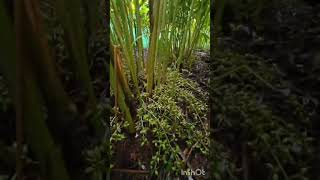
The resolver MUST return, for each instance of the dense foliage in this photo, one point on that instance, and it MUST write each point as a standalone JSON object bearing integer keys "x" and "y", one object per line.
{"x": 162, "y": 110}
{"x": 175, "y": 116}
{"x": 264, "y": 90}
{"x": 252, "y": 104}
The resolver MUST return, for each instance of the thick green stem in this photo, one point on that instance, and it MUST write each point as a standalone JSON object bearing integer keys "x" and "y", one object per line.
{"x": 124, "y": 33}
{"x": 151, "y": 19}
{"x": 30, "y": 107}
{"x": 37, "y": 134}
{"x": 36, "y": 49}
{"x": 69, "y": 12}
{"x": 153, "y": 47}
{"x": 120, "y": 99}
{"x": 139, "y": 36}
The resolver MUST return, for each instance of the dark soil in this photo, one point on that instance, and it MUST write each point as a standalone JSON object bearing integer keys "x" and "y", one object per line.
{"x": 129, "y": 155}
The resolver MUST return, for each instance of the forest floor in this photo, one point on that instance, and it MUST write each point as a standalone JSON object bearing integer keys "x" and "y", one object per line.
{"x": 132, "y": 160}
{"x": 264, "y": 91}
{"x": 265, "y": 96}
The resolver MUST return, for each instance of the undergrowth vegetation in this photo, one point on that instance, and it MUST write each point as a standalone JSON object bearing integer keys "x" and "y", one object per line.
{"x": 156, "y": 109}
{"x": 173, "y": 121}
{"x": 176, "y": 119}
{"x": 264, "y": 89}
{"x": 251, "y": 117}
{"x": 156, "y": 103}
